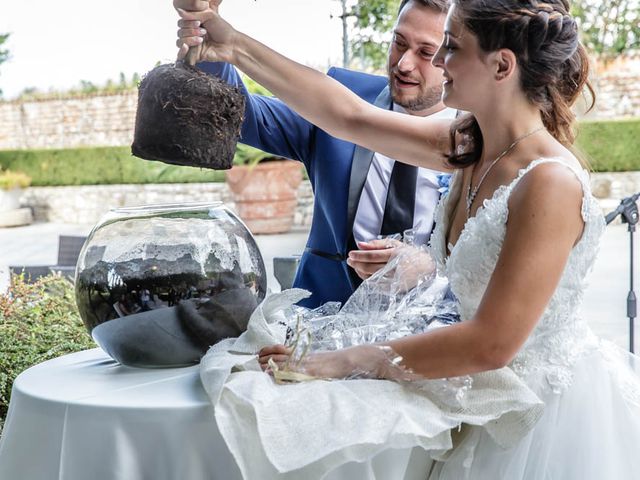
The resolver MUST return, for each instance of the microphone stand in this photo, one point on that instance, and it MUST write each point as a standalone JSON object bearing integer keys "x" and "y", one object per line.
{"x": 629, "y": 211}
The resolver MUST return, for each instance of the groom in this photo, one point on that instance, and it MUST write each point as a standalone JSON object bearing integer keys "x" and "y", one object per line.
{"x": 359, "y": 195}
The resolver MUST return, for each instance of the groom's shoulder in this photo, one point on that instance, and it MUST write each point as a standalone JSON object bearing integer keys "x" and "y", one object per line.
{"x": 363, "y": 84}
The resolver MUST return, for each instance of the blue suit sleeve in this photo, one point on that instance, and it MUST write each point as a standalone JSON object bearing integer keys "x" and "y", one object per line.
{"x": 268, "y": 123}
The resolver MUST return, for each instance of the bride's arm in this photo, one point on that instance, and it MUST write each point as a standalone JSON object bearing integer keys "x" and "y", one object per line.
{"x": 340, "y": 112}
{"x": 317, "y": 97}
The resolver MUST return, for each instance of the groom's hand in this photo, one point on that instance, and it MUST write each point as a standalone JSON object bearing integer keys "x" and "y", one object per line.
{"x": 372, "y": 256}
{"x": 414, "y": 265}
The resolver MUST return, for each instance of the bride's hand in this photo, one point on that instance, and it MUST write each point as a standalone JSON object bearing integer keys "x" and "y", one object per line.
{"x": 363, "y": 361}
{"x": 201, "y": 26}
{"x": 278, "y": 353}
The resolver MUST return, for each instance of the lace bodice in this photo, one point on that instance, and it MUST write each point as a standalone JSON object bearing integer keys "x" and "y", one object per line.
{"x": 560, "y": 335}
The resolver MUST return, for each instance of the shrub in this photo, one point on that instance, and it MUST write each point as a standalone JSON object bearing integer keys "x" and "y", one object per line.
{"x": 10, "y": 180}
{"x": 250, "y": 156}
{"x": 96, "y": 166}
{"x": 612, "y": 145}
{"x": 38, "y": 322}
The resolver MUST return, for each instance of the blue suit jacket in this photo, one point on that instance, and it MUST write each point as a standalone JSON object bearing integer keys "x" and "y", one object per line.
{"x": 337, "y": 171}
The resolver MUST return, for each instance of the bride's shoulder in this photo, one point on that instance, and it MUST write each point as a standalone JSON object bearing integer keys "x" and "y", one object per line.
{"x": 558, "y": 179}
{"x": 548, "y": 199}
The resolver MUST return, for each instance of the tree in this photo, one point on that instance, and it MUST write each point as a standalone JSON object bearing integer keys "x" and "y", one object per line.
{"x": 608, "y": 28}
{"x": 374, "y": 20}
{"x": 88, "y": 87}
{"x": 4, "y": 53}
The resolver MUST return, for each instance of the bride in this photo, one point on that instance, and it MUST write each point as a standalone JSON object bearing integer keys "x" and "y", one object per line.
{"x": 516, "y": 235}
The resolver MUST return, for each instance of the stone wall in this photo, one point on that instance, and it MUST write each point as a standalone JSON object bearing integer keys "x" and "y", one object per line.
{"x": 86, "y": 204}
{"x": 617, "y": 86}
{"x": 92, "y": 120}
{"x": 108, "y": 120}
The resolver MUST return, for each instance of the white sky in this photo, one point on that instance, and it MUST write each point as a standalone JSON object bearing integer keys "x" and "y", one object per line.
{"x": 55, "y": 44}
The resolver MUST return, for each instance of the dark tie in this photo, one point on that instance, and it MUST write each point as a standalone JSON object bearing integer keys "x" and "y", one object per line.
{"x": 398, "y": 211}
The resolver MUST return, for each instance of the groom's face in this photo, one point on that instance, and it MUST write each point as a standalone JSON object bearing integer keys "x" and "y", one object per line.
{"x": 414, "y": 82}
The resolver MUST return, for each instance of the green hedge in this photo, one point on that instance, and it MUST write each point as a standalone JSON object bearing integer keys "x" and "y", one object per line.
{"x": 93, "y": 166}
{"x": 610, "y": 146}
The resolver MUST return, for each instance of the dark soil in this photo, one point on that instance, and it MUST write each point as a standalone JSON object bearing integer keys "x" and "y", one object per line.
{"x": 225, "y": 298}
{"x": 187, "y": 117}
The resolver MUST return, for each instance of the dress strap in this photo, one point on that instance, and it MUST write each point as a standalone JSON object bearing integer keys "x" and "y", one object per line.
{"x": 589, "y": 204}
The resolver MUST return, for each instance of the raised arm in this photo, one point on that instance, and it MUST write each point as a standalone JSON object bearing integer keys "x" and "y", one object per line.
{"x": 268, "y": 123}
{"x": 318, "y": 98}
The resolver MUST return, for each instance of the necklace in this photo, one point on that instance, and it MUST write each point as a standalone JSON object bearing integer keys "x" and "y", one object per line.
{"x": 471, "y": 194}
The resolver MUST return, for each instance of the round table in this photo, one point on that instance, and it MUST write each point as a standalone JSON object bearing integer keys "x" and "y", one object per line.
{"x": 84, "y": 416}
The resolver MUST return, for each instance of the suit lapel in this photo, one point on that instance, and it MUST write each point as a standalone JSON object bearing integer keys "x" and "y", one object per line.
{"x": 360, "y": 168}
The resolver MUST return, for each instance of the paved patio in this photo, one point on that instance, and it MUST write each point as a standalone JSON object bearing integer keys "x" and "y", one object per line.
{"x": 604, "y": 306}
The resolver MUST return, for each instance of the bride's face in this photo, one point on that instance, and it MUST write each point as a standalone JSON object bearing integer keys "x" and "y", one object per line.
{"x": 467, "y": 70}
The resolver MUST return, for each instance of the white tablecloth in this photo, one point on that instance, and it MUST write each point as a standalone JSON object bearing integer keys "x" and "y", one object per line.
{"x": 84, "y": 416}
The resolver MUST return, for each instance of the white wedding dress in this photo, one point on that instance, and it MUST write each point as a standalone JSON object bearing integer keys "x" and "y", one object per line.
{"x": 590, "y": 428}
{"x": 566, "y": 408}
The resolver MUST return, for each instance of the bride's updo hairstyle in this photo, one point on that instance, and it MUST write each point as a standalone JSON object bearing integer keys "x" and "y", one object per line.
{"x": 553, "y": 64}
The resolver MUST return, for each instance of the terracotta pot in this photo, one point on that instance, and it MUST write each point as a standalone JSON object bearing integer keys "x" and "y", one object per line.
{"x": 266, "y": 195}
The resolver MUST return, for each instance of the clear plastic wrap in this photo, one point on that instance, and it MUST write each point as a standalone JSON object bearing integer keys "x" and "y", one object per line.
{"x": 405, "y": 297}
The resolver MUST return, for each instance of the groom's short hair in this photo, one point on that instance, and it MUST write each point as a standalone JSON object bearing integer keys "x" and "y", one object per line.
{"x": 438, "y": 5}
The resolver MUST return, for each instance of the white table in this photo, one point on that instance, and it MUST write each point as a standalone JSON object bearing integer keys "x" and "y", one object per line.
{"x": 85, "y": 416}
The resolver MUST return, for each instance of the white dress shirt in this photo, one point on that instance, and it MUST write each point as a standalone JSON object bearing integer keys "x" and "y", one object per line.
{"x": 368, "y": 219}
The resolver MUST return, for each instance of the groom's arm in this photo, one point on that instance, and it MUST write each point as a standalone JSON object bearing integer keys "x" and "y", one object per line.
{"x": 268, "y": 123}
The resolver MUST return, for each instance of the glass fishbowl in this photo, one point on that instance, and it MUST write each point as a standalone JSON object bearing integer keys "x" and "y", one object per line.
{"x": 157, "y": 285}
